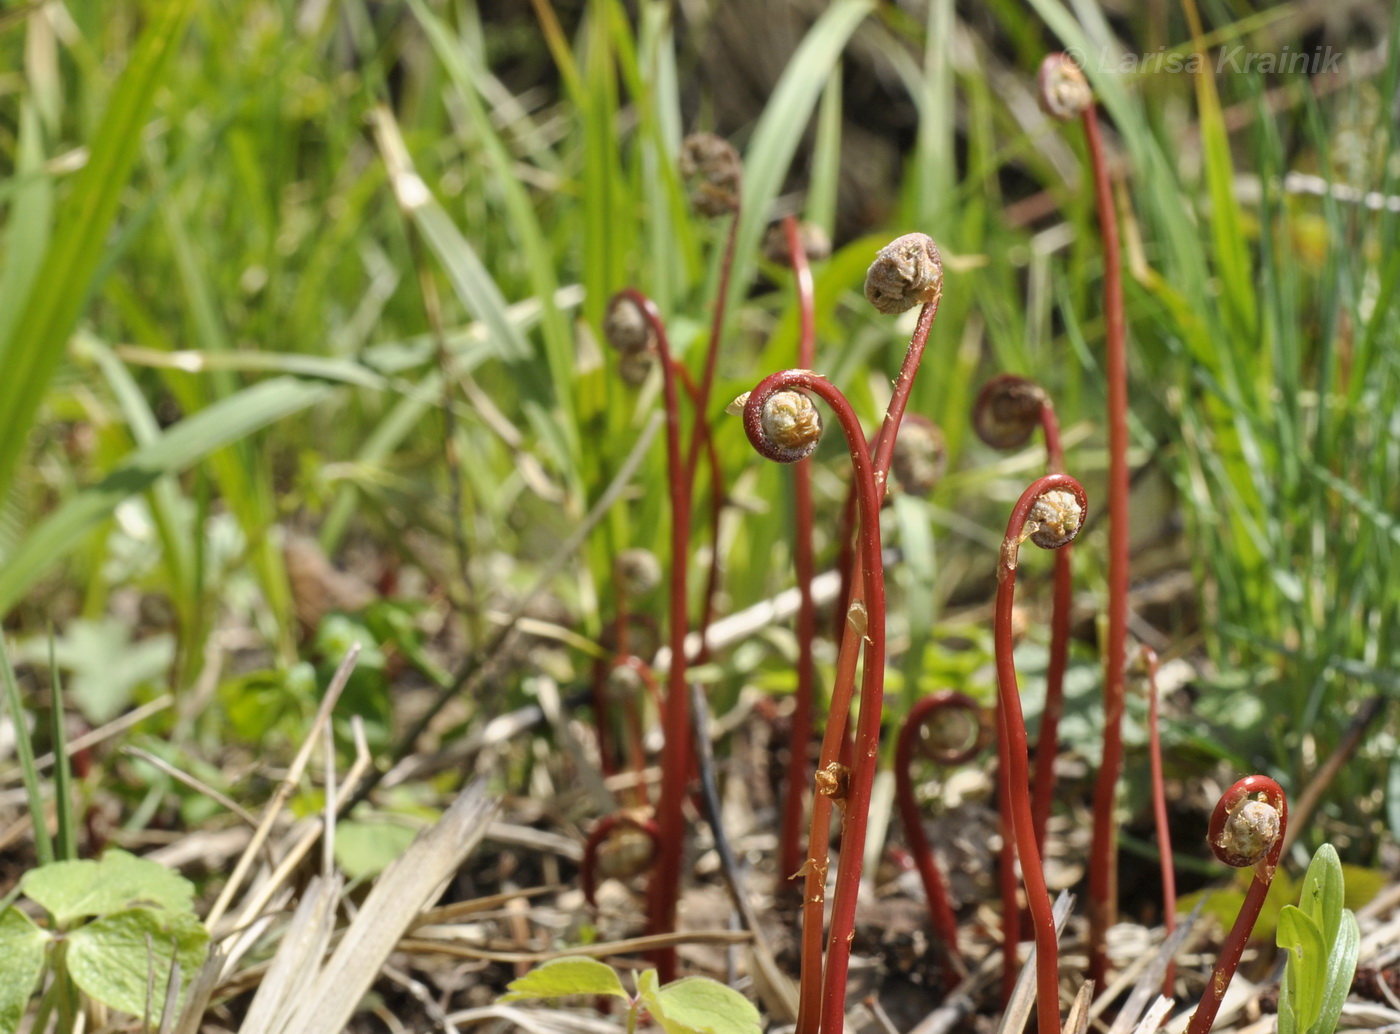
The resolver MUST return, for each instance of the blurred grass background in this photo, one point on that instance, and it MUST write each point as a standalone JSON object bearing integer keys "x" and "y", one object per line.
{"x": 228, "y": 228}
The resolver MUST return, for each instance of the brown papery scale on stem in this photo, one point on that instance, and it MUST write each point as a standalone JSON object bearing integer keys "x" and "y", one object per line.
{"x": 906, "y": 272}
{"x": 920, "y": 456}
{"x": 1064, "y": 93}
{"x": 816, "y": 245}
{"x": 712, "y": 167}
{"x": 834, "y": 781}
{"x": 1007, "y": 411}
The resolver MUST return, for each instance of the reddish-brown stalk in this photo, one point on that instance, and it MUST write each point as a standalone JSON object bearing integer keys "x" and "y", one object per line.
{"x": 1246, "y": 829}
{"x": 1159, "y": 809}
{"x": 921, "y": 715}
{"x": 883, "y": 450}
{"x": 1006, "y": 413}
{"x": 1050, "y": 513}
{"x": 1064, "y": 93}
{"x": 1007, "y": 410}
{"x": 717, "y": 494}
{"x": 790, "y": 834}
{"x": 906, "y": 272}
{"x": 856, "y": 788}
{"x": 664, "y": 889}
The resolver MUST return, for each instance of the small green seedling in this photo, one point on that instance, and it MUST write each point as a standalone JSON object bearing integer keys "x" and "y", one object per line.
{"x": 691, "y": 1005}
{"x": 112, "y": 929}
{"x": 1322, "y": 940}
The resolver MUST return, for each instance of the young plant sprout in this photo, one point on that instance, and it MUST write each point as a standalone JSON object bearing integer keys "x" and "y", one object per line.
{"x": 946, "y": 728}
{"x": 1065, "y": 94}
{"x": 1007, "y": 412}
{"x": 1049, "y": 513}
{"x": 795, "y": 251}
{"x": 782, "y": 425}
{"x": 1246, "y": 830}
{"x": 675, "y": 716}
{"x": 905, "y": 273}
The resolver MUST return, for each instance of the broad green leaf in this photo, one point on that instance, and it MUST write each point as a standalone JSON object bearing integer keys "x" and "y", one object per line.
{"x": 22, "y": 946}
{"x": 187, "y": 442}
{"x": 1323, "y": 892}
{"x": 571, "y": 976}
{"x": 1307, "y": 961}
{"x": 112, "y": 958}
{"x": 367, "y": 848}
{"x": 120, "y": 881}
{"x": 699, "y": 1005}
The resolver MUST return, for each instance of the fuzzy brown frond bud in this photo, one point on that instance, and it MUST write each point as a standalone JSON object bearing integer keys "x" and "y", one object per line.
{"x": 1055, "y": 519}
{"x": 1247, "y": 825}
{"x": 633, "y": 367}
{"x": 712, "y": 167}
{"x": 950, "y": 730}
{"x": 1007, "y": 411}
{"x": 816, "y": 245}
{"x": 907, "y": 272}
{"x": 791, "y": 425}
{"x": 920, "y": 455}
{"x": 626, "y": 327}
{"x": 637, "y": 571}
{"x": 1064, "y": 92}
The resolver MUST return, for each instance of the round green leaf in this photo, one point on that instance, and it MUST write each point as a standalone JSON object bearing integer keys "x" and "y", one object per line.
{"x": 571, "y": 976}
{"x": 698, "y": 1005}
{"x": 120, "y": 881}
{"x": 22, "y": 946}
{"x": 111, "y": 958}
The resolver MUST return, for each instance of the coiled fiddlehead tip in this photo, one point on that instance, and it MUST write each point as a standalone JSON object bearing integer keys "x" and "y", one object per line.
{"x": 784, "y": 425}
{"x": 950, "y": 728}
{"x": 715, "y": 173}
{"x": 1248, "y": 823}
{"x": 1057, "y": 516}
{"x": 626, "y": 327}
{"x": 920, "y": 456}
{"x": 637, "y": 571}
{"x": 1064, "y": 93}
{"x": 1007, "y": 411}
{"x": 906, "y": 272}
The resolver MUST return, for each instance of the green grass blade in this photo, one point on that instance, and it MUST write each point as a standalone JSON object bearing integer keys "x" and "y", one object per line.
{"x": 24, "y": 747}
{"x": 781, "y": 127}
{"x": 223, "y": 423}
{"x": 67, "y": 848}
{"x": 30, "y": 354}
